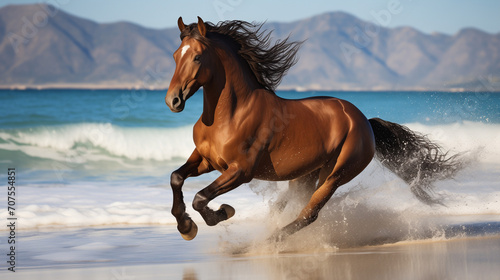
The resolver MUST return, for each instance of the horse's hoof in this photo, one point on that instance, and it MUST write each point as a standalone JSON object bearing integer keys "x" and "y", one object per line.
{"x": 228, "y": 209}
{"x": 192, "y": 232}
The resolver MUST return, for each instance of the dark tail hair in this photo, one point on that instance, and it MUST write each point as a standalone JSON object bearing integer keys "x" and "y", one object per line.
{"x": 413, "y": 157}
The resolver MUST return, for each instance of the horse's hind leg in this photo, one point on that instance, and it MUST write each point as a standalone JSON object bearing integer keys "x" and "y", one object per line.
{"x": 347, "y": 166}
{"x": 299, "y": 190}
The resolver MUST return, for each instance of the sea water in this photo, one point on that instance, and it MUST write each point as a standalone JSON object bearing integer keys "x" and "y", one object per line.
{"x": 103, "y": 158}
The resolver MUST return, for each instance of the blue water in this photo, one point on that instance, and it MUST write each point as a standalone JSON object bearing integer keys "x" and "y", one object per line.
{"x": 34, "y": 108}
{"x": 101, "y": 157}
{"x": 128, "y": 125}
{"x": 90, "y": 133}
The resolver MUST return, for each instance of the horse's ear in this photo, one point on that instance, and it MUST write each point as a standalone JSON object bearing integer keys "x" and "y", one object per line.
{"x": 201, "y": 27}
{"x": 181, "y": 24}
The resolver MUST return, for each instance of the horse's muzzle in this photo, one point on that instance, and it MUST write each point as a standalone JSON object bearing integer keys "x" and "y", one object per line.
{"x": 175, "y": 101}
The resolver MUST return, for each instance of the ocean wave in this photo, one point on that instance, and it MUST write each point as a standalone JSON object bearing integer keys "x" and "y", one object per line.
{"x": 376, "y": 206}
{"x": 98, "y": 141}
{"x": 479, "y": 140}
{"x": 87, "y": 142}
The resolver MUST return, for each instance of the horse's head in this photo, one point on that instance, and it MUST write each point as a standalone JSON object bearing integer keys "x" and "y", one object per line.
{"x": 192, "y": 61}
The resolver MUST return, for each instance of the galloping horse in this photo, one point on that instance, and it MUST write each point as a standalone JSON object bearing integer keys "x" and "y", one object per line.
{"x": 246, "y": 131}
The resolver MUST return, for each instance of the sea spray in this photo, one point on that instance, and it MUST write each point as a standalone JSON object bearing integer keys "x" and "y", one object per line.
{"x": 375, "y": 208}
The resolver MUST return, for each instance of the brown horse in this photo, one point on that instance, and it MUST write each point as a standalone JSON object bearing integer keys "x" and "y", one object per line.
{"x": 246, "y": 131}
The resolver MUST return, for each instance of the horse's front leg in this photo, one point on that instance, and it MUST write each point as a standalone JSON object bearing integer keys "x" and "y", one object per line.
{"x": 194, "y": 166}
{"x": 230, "y": 179}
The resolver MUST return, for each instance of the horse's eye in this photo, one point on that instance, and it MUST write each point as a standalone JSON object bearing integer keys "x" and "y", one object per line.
{"x": 197, "y": 58}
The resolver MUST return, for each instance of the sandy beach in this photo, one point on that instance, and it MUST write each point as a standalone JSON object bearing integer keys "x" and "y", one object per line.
{"x": 160, "y": 253}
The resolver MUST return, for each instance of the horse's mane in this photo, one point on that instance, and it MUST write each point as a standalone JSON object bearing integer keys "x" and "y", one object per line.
{"x": 268, "y": 63}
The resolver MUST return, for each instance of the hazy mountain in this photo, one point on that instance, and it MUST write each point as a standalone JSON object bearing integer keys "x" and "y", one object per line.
{"x": 41, "y": 45}
{"x": 71, "y": 50}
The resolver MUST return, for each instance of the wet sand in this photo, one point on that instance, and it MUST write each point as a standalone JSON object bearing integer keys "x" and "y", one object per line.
{"x": 159, "y": 253}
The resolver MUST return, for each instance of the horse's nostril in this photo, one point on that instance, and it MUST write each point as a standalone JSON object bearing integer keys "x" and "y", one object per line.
{"x": 176, "y": 101}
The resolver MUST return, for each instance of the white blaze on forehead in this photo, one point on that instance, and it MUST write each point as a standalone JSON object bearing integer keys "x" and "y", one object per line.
{"x": 184, "y": 50}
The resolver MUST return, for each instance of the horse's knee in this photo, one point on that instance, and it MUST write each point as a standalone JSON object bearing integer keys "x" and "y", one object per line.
{"x": 199, "y": 202}
{"x": 176, "y": 180}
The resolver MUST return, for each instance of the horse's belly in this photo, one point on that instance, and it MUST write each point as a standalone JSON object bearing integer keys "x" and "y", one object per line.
{"x": 282, "y": 167}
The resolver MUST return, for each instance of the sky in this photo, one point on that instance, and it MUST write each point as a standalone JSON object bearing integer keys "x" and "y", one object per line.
{"x": 444, "y": 16}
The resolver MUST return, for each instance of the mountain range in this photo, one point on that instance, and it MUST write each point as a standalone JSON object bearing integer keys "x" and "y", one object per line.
{"x": 43, "y": 46}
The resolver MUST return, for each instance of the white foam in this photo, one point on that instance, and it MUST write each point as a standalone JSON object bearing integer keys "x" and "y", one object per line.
{"x": 376, "y": 197}
{"x": 94, "y": 142}
{"x": 102, "y": 204}
{"x": 475, "y": 137}
{"x": 94, "y": 246}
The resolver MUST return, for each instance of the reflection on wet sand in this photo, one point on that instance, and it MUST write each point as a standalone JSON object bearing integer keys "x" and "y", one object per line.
{"x": 466, "y": 258}
{"x": 476, "y": 258}
{"x": 189, "y": 274}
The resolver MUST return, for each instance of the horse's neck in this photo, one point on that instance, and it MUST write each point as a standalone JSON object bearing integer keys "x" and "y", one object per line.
{"x": 225, "y": 94}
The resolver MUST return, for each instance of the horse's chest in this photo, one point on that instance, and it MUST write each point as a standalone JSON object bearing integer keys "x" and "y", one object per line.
{"x": 211, "y": 151}
{"x": 204, "y": 148}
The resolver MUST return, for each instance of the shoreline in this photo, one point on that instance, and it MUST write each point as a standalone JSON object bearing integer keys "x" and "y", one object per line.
{"x": 457, "y": 258}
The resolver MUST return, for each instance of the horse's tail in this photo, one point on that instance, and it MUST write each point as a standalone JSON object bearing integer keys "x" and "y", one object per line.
{"x": 413, "y": 157}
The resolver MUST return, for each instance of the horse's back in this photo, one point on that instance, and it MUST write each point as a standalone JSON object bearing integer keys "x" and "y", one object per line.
{"x": 339, "y": 117}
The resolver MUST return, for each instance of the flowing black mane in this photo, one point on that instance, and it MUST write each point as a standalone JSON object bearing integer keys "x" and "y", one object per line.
{"x": 268, "y": 63}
